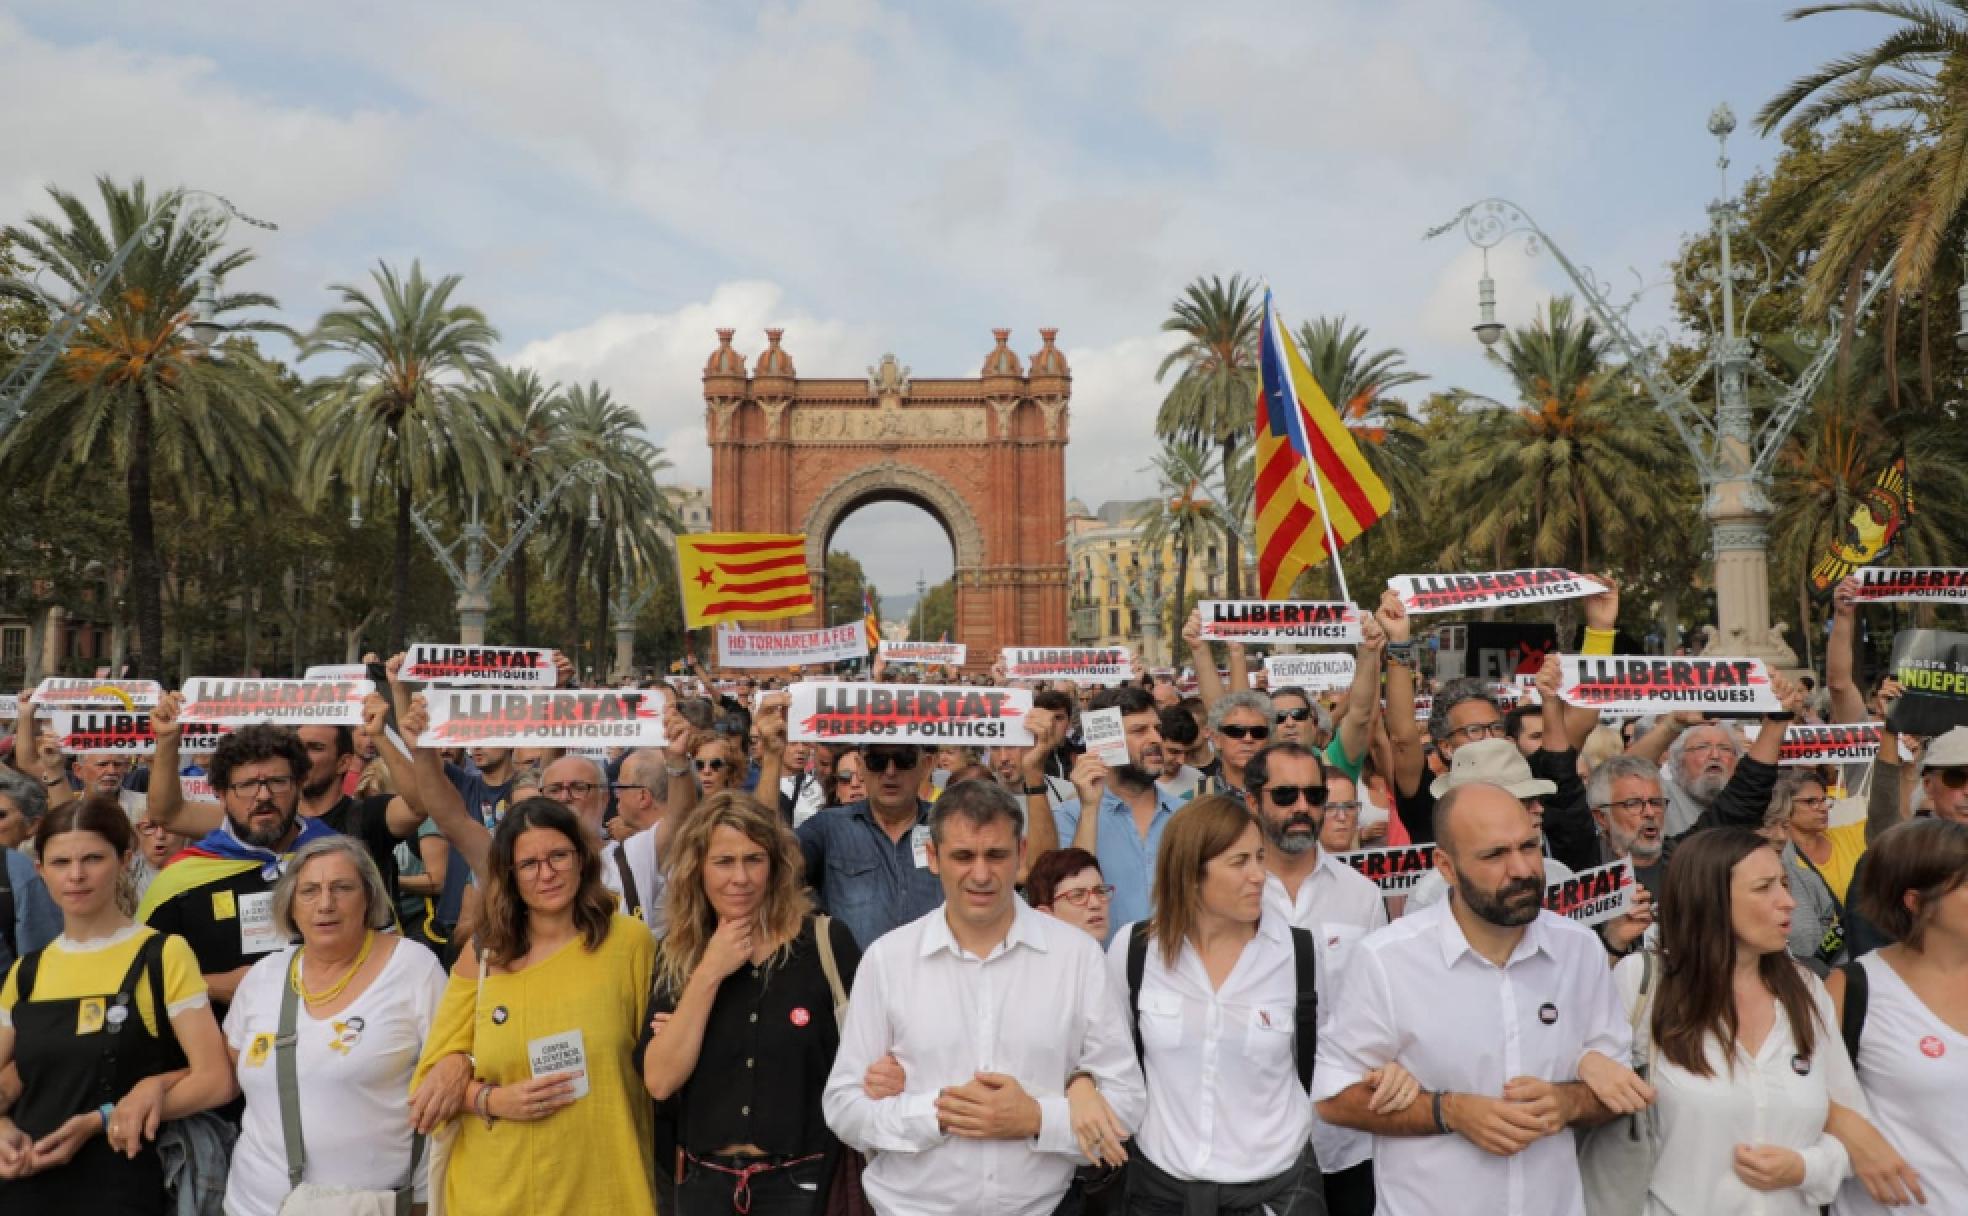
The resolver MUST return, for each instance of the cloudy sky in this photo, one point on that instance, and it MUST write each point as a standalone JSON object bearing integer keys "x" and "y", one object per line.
{"x": 616, "y": 180}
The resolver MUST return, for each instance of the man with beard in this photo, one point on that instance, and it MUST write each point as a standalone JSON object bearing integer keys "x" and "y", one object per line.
{"x": 1315, "y": 891}
{"x": 218, "y": 894}
{"x": 1130, "y": 808}
{"x": 1708, "y": 779}
{"x": 1490, "y": 1002}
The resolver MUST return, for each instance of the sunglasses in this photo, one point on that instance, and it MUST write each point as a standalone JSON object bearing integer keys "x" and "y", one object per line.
{"x": 1288, "y": 795}
{"x": 1259, "y": 733}
{"x": 1296, "y": 715}
{"x": 881, "y": 762}
{"x": 714, "y": 765}
{"x": 1953, "y": 778}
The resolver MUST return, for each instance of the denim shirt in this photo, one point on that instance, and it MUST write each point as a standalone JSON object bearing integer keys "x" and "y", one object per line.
{"x": 1127, "y": 859}
{"x": 863, "y": 879}
{"x": 36, "y": 919}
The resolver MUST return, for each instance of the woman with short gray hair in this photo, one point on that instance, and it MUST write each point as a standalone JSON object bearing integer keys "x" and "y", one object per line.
{"x": 354, "y": 1006}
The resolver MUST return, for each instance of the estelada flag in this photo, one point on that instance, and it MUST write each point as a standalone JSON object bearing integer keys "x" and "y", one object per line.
{"x": 1301, "y": 444}
{"x": 742, "y": 576}
{"x": 868, "y": 617}
{"x": 1868, "y": 534}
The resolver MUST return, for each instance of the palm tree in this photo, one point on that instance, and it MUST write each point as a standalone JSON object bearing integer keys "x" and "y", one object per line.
{"x": 1182, "y": 514}
{"x": 1214, "y": 399}
{"x": 530, "y": 459}
{"x": 138, "y": 388}
{"x": 604, "y": 431}
{"x": 404, "y": 415}
{"x": 1357, "y": 382}
{"x": 1879, "y": 196}
{"x": 1576, "y": 451}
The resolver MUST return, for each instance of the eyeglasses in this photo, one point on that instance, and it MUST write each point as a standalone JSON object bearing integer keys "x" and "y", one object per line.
{"x": 1296, "y": 715}
{"x": 881, "y": 762}
{"x": 569, "y": 789}
{"x": 1476, "y": 732}
{"x": 844, "y": 778}
{"x": 1342, "y": 808}
{"x": 271, "y": 785}
{"x": 1633, "y": 806}
{"x": 1079, "y": 896}
{"x": 1260, "y": 733}
{"x": 1288, "y": 795}
{"x": 1809, "y": 804}
{"x": 714, "y": 765}
{"x": 146, "y": 828}
{"x": 558, "y": 861}
{"x": 1953, "y": 778}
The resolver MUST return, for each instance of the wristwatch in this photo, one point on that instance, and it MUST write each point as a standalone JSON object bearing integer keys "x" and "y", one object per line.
{"x": 1036, "y": 791}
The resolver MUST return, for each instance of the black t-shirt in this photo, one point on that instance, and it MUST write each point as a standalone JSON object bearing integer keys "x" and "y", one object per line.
{"x": 220, "y": 920}
{"x": 367, "y": 819}
{"x": 1417, "y": 810}
{"x": 768, "y": 1026}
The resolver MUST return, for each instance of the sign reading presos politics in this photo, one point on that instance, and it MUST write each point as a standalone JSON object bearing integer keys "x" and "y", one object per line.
{"x": 1421, "y": 593}
{"x": 1395, "y": 869}
{"x": 1081, "y": 664}
{"x": 124, "y": 732}
{"x": 925, "y": 654}
{"x": 791, "y": 647}
{"x": 80, "y": 692}
{"x": 291, "y": 702}
{"x": 1843, "y": 743}
{"x": 1312, "y": 672}
{"x": 1928, "y": 584}
{"x": 908, "y": 713}
{"x": 1592, "y": 896}
{"x": 337, "y": 671}
{"x": 1633, "y": 685}
{"x": 492, "y": 665}
{"x": 563, "y": 717}
{"x": 1932, "y": 668}
{"x": 1319, "y": 623}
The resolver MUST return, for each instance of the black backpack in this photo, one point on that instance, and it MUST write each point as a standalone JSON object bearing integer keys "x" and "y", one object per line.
{"x": 1305, "y": 1015}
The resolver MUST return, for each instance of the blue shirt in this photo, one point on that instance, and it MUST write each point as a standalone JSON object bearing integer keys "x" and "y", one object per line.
{"x": 487, "y": 804}
{"x": 863, "y": 879}
{"x": 36, "y": 919}
{"x": 1127, "y": 859}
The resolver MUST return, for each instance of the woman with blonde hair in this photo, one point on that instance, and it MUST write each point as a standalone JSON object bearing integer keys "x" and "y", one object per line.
{"x": 720, "y": 763}
{"x": 743, "y": 1029}
{"x": 548, "y": 1008}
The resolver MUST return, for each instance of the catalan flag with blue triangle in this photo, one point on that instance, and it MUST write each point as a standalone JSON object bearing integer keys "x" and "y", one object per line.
{"x": 1315, "y": 490}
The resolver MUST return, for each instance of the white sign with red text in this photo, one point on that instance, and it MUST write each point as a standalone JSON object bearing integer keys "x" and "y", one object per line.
{"x": 1640, "y": 685}
{"x": 908, "y": 713}
{"x": 289, "y": 702}
{"x": 1080, "y": 664}
{"x": 1309, "y": 622}
{"x": 1422, "y": 593}
{"x": 924, "y": 654}
{"x": 509, "y": 666}
{"x": 791, "y": 647}
{"x": 562, "y": 717}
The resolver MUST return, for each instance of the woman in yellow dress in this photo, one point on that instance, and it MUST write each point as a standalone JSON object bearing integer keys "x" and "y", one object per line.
{"x": 556, "y": 1118}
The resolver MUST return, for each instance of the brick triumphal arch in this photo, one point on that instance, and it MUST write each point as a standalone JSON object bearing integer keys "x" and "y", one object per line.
{"x": 986, "y": 457}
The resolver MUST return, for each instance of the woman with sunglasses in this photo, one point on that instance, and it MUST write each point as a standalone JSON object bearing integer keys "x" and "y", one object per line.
{"x": 850, "y": 778}
{"x": 1812, "y": 857}
{"x": 719, "y": 763}
{"x": 548, "y": 1008}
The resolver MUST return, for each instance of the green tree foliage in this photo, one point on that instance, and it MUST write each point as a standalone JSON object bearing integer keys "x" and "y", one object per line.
{"x": 1214, "y": 397}
{"x": 845, "y": 583}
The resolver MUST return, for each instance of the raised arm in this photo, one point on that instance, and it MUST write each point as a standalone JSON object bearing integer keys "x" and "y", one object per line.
{"x": 1403, "y": 732}
{"x": 1653, "y": 744}
{"x": 405, "y": 813}
{"x": 1041, "y": 832}
{"x": 1209, "y": 685}
{"x": 1362, "y": 705}
{"x": 1847, "y": 702}
{"x": 1602, "y": 611}
{"x": 441, "y": 799}
{"x": 164, "y": 799}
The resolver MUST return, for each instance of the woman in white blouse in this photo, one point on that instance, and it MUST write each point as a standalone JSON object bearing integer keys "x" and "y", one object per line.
{"x": 1912, "y": 1056}
{"x": 1746, "y": 1056}
{"x": 365, "y": 1000}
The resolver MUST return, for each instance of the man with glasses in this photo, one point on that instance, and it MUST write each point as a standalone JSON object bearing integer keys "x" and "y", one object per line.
{"x": 1298, "y": 720}
{"x": 1240, "y": 723}
{"x": 1129, "y": 807}
{"x": 1337, "y": 905}
{"x": 868, "y": 861}
{"x": 1630, "y": 811}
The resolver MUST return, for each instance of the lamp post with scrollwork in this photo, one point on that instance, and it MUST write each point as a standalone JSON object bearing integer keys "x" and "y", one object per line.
{"x": 1143, "y": 592}
{"x": 1732, "y": 454}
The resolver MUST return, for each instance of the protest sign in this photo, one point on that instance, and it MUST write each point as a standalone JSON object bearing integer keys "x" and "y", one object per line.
{"x": 791, "y": 647}
{"x": 1396, "y": 869}
{"x": 1312, "y": 622}
{"x": 1105, "y": 736}
{"x": 124, "y": 732}
{"x": 1312, "y": 672}
{"x": 10, "y": 706}
{"x": 908, "y": 713}
{"x": 1844, "y": 743}
{"x": 1424, "y": 706}
{"x": 1618, "y": 684}
{"x": 511, "y": 666}
{"x": 1923, "y": 584}
{"x": 565, "y": 717}
{"x": 291, "y": 702}
{"x": 1932, "y": 667}
{"x": 81, "y": 692}
{"x": 1592, "y": 896}
{"x": 1422, "y": 593}
{"x": 1081, "y": 664}
{"x": 924, "y": 654}
{"x": 337, "y": 671}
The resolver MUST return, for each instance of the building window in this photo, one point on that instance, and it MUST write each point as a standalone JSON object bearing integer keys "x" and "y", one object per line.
{"x": 13, "y": 644}
{"x": 1114, "y": 622}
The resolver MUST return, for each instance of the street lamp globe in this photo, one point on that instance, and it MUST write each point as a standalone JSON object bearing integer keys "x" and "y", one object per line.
{"x": 1488, "y": 329}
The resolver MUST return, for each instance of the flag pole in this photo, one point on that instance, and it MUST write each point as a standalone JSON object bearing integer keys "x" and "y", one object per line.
{"x": 1312, "y": 463}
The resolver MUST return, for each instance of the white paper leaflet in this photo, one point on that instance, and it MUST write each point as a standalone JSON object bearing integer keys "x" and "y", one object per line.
{"x": 1642, "y": 685}
{"x": 488, "y": 665}
{"x": 566, "y": 717}
{"x": 791, "y": 647}
{"x": 908, "y": 713}
{"x": 1309, "y": 622}
{"x": 291, "y": 702}
{"x": 1080, "y": 664}
{"x": 1105, "y": 736}
{"x": 1422, "y": 593}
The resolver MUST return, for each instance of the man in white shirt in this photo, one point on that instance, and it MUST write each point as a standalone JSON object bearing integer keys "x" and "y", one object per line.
{"x": 1490, "y": 1002}
{"x": 982, "y": 1123}
{"x": 1311, "y": 889}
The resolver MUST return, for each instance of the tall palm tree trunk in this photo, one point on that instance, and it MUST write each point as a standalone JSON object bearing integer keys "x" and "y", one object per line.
{"x": 570, "y": 593}
{"x": 146, "y": 585}
{"x": 1180, "y": 614}
{"x": 516, "y": 578}
{"x": 603, "y": 655}
{"x": 1234, "y": 581}
{"x": 400, "y": 610}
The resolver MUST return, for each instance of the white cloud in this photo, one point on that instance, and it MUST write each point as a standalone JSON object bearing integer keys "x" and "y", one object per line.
{"x": 1112, "y": 420}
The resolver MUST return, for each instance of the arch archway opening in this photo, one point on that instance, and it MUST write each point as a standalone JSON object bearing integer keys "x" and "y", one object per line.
{"x": 903, "y": 548}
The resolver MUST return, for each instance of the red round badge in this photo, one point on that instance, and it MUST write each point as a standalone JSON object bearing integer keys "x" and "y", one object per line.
{"x": 800, "y": 1016}
{"x": 1932, "y": 1047}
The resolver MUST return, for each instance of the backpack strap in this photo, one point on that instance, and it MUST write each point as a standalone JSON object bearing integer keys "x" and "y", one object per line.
{"x": 1641, "y": 1007}
{"x": 1851, "y": 1024}
{"x": 631, "y": 899}
{"x": 1137, "y": 966}
{"x": 24, "y": 974}
{"x": 286, "y": 1077}
{"x": 1305, "y": 1016}
{"x": 118, "y": 1025}
{"x": 823, "y": 938}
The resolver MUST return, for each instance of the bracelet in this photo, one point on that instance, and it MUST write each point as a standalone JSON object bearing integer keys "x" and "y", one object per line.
{"x": 1077, "y": 1073}
{"x": 1402, "y": 652}
{"x": 1435, "y": 1104}
{"x": 1036, "y": 791}
{"x": 482, "y": 1105}
{"x": 106, "y": 1110}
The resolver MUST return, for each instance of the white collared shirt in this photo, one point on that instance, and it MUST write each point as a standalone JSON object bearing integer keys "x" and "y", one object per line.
{"x": 1417, "y": 993}
{"x": 1039, "y": 1008}
{"x": 650, "y": 878}
{"x": 1224, "y": 1103}
{"x": 1338, "y": 906}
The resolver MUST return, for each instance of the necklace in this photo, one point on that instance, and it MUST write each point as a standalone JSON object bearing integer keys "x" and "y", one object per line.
{"x": 339, "y": 986}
